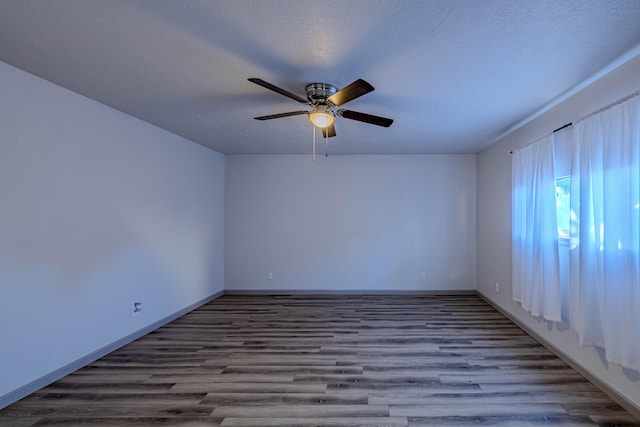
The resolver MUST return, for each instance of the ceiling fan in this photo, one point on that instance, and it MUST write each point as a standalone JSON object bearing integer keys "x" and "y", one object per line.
{"x": 324, "y": 98}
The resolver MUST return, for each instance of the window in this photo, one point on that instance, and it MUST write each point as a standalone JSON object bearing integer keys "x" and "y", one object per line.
{"x": 563, "y": 210}
{"x": 562, "y": 140}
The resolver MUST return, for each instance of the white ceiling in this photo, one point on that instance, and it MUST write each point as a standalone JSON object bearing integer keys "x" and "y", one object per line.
{"x": 453, "y": 74}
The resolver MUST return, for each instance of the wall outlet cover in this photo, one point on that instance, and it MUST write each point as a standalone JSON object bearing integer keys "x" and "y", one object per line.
{"x": 137, "y": 308}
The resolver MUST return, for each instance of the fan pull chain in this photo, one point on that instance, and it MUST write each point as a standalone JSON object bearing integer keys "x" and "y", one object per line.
{"x": 326, "y": 141}
{"x": 314, "y": 142}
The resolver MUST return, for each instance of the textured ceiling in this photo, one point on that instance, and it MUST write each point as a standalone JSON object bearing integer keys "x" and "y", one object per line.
{"x": 453, "y": 74}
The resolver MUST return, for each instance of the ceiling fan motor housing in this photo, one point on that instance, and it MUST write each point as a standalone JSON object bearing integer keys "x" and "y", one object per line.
{"x": 317, "y": 93}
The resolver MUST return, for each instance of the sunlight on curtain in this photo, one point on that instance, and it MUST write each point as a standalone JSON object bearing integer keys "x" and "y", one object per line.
{"x": 605, "y": 232}
{"x": 536, "y": 271}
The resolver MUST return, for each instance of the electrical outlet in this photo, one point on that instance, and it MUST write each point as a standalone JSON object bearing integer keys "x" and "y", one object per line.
{"x": 269, "y": 276}
{"x": 137, "y": 308}
{"x": 423, "y": 276}
{"x": 497, "y": 287}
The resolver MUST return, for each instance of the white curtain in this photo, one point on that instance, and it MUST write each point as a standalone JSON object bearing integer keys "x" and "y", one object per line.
{"x": 605, "y": 232}
{"x": 536, "y": 276}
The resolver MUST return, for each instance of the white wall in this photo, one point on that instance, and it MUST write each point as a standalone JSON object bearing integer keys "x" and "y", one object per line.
{"x": 98, "y": 210}
{"x": 350, "y": 223}
{"x": 494, "y": 222}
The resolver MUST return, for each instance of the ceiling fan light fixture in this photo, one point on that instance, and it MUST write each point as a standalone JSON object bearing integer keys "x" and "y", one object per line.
{"x": 324, "y": 98}
{"x": 321, "y": 118}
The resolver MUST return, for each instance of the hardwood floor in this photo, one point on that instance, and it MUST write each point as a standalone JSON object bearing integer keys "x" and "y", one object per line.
{"x": 327, "y": 361}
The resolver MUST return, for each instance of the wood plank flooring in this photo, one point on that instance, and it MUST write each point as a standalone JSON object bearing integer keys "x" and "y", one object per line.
{"x": 327, "y": 361}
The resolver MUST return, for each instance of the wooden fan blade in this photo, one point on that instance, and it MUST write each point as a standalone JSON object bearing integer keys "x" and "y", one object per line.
{"x": 276, "y": 89}
{"x": 350, "y": 92}
{"x": 329, "y": 131}
{"x": 367, "y": 118}
{"x": 277, "y": 116}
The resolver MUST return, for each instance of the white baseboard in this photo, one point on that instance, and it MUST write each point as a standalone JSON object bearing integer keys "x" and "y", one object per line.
{"x": 345, "y": 292}
{"x": 45, "y": 380}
